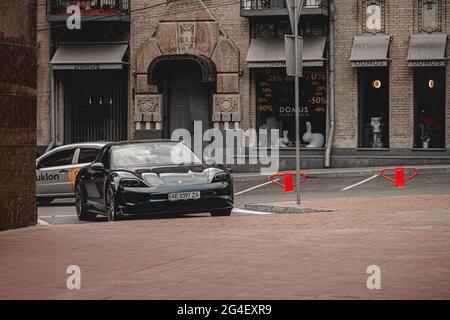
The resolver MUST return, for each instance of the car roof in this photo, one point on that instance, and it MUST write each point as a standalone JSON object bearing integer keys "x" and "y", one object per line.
{"x": 98, "y": 144}
{"x": 121, "y": 143}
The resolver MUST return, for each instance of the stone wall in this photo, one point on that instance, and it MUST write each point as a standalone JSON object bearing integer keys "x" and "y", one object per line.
{"x": 18, "y": 114}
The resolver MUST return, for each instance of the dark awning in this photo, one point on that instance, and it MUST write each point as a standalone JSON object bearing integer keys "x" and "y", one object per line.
{"x": 270, "y": 53}
{"x": 427, "y": 50}
{"x": 370, "y": 51}
{"x": 208, "y": 67}
{"x": 89, "y": 56}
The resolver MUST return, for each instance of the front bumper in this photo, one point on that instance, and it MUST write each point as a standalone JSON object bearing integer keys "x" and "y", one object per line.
{"x": 213, "y": 196}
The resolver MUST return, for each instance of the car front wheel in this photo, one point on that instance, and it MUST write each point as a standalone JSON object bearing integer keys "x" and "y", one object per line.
{"x": 112, "y": 211}
{"x": 221, "y": 213}
{"x": 81, "y": 206}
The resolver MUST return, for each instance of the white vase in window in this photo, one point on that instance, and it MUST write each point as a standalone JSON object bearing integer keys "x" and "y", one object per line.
{"x": 315, "y": 140}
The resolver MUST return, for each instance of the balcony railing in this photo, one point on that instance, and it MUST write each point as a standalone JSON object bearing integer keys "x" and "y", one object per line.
{"x": 253, "y": 8}
{"x": 101, "y": 10}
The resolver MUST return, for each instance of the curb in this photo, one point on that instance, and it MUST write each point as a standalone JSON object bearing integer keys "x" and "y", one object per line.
{"x": 284, "y": 209}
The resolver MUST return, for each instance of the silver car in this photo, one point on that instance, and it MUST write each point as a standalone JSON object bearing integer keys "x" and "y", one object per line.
{"x": 56, "y": 170}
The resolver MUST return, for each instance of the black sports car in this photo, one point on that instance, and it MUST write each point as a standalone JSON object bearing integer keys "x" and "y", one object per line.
{"x": 137, "y": 177}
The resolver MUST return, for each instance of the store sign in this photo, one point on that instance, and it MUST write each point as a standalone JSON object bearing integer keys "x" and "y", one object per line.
{"x": 370, "y": 63}
{"x": 267, "y": 64}
{"x": 427, "y": 63}
{"x": 87, "y": 67}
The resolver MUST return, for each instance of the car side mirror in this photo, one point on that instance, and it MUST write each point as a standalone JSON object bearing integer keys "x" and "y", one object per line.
{"x": 98, "y": 166}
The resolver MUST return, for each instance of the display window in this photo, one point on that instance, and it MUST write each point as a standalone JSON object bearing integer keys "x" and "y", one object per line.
{"x": 275, "y": 105}
{"x": 373, "y": 93}
{"x": 429, "y": 107}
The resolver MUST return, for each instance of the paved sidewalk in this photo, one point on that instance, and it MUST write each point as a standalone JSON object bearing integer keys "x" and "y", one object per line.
{"x": 312, "y": 255}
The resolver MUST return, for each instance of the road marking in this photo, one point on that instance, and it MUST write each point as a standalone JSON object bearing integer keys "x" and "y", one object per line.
{"x": 237, "y": 210}
{"x": 42, "y": 222}
{"x": 255, "y": 187}
{"x": 359, "y": 183}
{"x": 59, "y": 216}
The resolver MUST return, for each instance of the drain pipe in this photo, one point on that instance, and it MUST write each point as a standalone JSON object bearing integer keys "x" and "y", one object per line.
{"x": 331, "y": 87}
{"x": 52, "y": 113}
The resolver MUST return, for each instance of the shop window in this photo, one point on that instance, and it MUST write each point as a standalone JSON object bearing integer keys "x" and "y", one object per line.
{"x": 275, "y": 104}
{"x": 429, "y": 107}
{"x": 373, "y": 107}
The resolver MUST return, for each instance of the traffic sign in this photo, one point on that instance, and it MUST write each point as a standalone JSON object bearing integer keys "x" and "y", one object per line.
{"x": 289, "y": 42}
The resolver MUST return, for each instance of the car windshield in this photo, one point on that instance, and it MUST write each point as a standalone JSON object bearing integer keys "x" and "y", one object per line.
{"x": 152, "y": 154}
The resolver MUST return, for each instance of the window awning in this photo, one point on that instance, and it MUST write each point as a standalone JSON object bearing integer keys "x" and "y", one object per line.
{"x": 370, "y": 51}
{"x": 270, "y": 52}
{"x": 427, "y": 50}
{"x": 89, "y": 56}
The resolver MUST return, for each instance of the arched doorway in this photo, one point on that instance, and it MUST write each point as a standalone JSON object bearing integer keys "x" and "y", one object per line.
{"x": 186, "y": 83}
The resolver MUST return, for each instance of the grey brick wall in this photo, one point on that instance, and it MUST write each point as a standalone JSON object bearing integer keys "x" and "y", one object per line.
{"x": 400, "y": 22}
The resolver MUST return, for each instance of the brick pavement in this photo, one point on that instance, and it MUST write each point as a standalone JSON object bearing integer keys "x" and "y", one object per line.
{"x": 314, "y": 255}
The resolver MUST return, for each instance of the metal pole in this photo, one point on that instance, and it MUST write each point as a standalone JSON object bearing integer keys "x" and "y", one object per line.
{"x": 297, "y": 107}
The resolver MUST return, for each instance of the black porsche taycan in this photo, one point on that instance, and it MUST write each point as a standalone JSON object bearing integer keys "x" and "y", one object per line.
{"x": 144, "y": 177}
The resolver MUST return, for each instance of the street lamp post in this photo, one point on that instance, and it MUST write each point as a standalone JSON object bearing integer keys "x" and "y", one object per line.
{"x": 294, "y": 68}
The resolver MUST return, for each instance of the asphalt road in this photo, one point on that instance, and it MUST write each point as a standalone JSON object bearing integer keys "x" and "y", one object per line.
{"x": 63, "y": 211}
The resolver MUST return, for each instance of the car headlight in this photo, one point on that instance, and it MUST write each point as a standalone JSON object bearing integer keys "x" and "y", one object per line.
{"x": 221, "y": 177}
{"x": 132, "y": 183}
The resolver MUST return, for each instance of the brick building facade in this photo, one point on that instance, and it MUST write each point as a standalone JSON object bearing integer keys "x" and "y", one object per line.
{"x": 159, "y": 65}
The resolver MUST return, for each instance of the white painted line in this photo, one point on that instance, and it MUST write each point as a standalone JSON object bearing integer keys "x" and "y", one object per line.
{"x": 59, "y": 216}
{"x": 237, "y": 210}
{"x": 42, "y": 222}
{"x": 359, "y": 183}
{"x": 255, "y": 187}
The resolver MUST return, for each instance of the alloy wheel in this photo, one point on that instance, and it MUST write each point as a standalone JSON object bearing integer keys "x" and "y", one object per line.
{"x": 110, "y": 206}
{"x": 78, "y": 201}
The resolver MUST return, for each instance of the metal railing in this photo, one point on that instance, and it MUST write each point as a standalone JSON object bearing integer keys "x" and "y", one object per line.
{"x": 90, "y": 7}
{"x": 278, "y": 4}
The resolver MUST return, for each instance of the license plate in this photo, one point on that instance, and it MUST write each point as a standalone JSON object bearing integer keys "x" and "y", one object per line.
{"x": 184, "y": 196}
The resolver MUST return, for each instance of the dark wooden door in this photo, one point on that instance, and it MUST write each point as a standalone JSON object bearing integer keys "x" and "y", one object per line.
{"x": 189, "y": 99}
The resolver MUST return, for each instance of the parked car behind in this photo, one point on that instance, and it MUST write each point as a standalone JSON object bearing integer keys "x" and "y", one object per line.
{"x": 57, "y": 169}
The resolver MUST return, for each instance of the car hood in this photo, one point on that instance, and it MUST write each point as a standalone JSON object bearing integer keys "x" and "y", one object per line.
{"x": 176, "y": 175}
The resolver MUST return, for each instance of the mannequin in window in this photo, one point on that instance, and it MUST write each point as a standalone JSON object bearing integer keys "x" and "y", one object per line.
{"x": 377, "y": 141}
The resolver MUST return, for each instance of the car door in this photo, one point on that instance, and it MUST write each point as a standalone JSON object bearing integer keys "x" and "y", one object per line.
{"x": 95, "y": 183}
{"x": 52, "y": 173}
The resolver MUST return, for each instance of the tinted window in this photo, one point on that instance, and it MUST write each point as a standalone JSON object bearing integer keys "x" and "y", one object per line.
{"x": 105, "y": 159}
{"x": 87, "y": 155}
{"x": 149, "y": 154}
{"x": 60, "y": 158}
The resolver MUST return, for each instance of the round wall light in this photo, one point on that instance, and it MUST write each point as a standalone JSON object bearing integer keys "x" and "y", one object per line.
{"x": 431, "y": 83}
{"x": 376, "y": 84}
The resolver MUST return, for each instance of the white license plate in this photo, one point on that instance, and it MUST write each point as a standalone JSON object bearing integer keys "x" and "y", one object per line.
{"x": 184, "y": 196}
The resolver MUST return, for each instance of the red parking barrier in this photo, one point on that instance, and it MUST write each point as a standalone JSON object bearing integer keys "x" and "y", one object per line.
{"x": 400, "y": 175}
{"x": 288, "y": 185}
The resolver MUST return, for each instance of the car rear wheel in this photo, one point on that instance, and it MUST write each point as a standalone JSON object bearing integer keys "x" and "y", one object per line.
{"x": 112, "y": 211}
{"x": 221, "y": 213}
{"x": 81, "y": 206}
{"x": 44, "y": 201}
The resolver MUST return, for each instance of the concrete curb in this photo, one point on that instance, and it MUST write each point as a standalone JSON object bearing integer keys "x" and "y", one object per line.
{"x": 284, "y": 208}
{"x": 339, "y": 173}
